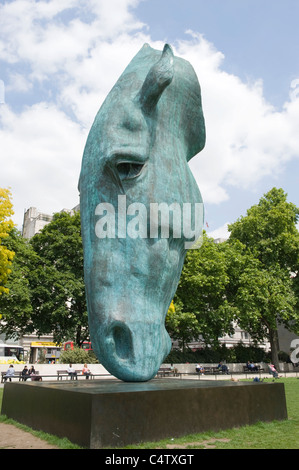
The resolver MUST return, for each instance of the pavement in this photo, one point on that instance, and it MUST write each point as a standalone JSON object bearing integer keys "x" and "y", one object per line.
{"x": 233, "y": 376}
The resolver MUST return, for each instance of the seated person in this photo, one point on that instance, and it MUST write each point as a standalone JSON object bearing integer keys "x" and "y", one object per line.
{"x": 25, "y": 373}
{"x": 223, "y": 368}
{"x": 199, "y": 369}
{"x": 10, "y": 373}
{"x": 272, "y": 370}
{"x": 32, "y": 374}
{"x": 72, "y": 373}
{"x": 86, "y": 371}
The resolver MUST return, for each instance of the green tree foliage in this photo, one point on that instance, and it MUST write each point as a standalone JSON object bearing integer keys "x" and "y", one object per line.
{"x": 181, "y": 326}
{"x": 15, "y": 305}
{"x": 236, "y": 354}
{"x": 252, "y": 279}
{"x": 269, "y": 231}
{"x": 249, "y": 280}
{"x": 6, "y": 225}
{"x": 265, "y": 293}
{"x": 57, "y": 281}
{"x": 201, "y": 295}
{"x": 263, "y": 297}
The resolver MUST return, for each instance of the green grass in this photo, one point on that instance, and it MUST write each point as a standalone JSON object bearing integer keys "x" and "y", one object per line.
{"x": 273, "y": 435}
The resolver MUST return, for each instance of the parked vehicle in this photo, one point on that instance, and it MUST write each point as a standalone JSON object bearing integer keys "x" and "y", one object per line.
{"x": 11, "y": 353}
{"x": 86, "y": 345}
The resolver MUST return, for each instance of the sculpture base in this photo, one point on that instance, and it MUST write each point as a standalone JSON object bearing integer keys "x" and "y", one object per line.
{"x": 111, "y": 413}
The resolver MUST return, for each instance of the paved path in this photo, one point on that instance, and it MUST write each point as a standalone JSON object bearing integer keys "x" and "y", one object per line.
{"x": 11, "y": 437}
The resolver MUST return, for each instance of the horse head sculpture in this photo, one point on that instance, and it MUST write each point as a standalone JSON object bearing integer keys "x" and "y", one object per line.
{"x": 134, "y": 167}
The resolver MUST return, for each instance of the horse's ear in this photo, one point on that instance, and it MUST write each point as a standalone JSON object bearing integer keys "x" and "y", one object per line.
{"x": 157, "y": 79}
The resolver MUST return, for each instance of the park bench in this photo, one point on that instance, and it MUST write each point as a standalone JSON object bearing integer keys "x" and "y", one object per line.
{"x": 61, "y": 374}
{"x": 246, "y": 369}
{"x": 165, "y": 372}
{"x": 211, "y": 370}
{"x": 18, "y": 375}
{"x": 64, "y": 374}
{"x": 207, "y": 370}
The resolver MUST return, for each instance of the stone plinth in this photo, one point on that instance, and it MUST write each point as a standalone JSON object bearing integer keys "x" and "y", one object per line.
{"x": 111, "y": 413}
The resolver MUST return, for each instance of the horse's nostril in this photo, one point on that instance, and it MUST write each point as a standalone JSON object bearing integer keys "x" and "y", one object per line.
{"x": 122, "y": 338}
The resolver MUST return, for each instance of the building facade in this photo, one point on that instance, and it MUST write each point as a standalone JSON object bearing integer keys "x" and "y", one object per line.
{"x": 34, "y": 221}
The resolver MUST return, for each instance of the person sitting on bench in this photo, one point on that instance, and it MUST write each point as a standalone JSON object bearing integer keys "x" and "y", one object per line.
{"x": 71, "y": 371}
{"x": 25, "y": 373}
{"x": 273, "y": 371}
{"x": 10, "y": 373}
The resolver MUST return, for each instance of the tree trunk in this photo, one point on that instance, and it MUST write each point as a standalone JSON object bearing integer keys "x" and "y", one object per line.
{"x": 273, "y": 337}
{"x": 78, "y": 336}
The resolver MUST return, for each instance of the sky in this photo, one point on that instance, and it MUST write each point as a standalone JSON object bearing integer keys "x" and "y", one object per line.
{"x": 60, "y": 58}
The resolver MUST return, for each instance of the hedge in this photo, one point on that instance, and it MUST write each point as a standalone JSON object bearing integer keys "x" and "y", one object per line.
{"x": 236, "y": 354}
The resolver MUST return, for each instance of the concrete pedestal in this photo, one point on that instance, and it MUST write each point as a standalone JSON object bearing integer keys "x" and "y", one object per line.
{"x": 111, "y": 413}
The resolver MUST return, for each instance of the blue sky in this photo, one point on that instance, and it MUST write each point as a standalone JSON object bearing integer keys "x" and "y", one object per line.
{"x": 60, "y": 58}
{"x": 259, "y": 38}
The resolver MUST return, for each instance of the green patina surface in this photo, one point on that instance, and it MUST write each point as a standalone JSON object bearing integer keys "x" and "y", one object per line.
{"x": 148, "y": 128}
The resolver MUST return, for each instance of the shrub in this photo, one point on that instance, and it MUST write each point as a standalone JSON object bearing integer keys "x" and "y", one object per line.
{"x": 236, "y": 354}
{"x": 77, "y": 356}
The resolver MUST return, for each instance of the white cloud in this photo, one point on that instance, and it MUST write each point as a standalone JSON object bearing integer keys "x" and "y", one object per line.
{"x": 43, "y": 150}
{"x": 35, "y": 32}
{"x": 247, "y": 139}
{"x": 221, "y": 232}
{"x": 74, "y": 62}
{"x": 18, "y": 83}
{"x": 71, "y": 53}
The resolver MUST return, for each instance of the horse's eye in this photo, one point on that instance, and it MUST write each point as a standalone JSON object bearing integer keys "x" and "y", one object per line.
{"x": 128, "y": 170}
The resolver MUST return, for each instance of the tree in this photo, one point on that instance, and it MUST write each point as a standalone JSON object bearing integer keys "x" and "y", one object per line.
{"x": 265, "y": 291}
{"x": 6, "y": 225}
{"x": 57, "y": 282}
{"x": 269, "y": 231}
{"x": 264, "y": 297}
{"x": 15, "y": 305}
{"x": 202, "y": 295}
{"x": 225, "y": 284}
{"x": 181, "y": 326}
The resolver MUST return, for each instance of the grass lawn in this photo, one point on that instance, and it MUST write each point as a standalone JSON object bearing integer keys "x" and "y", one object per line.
{"x": 274, "y": 435}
